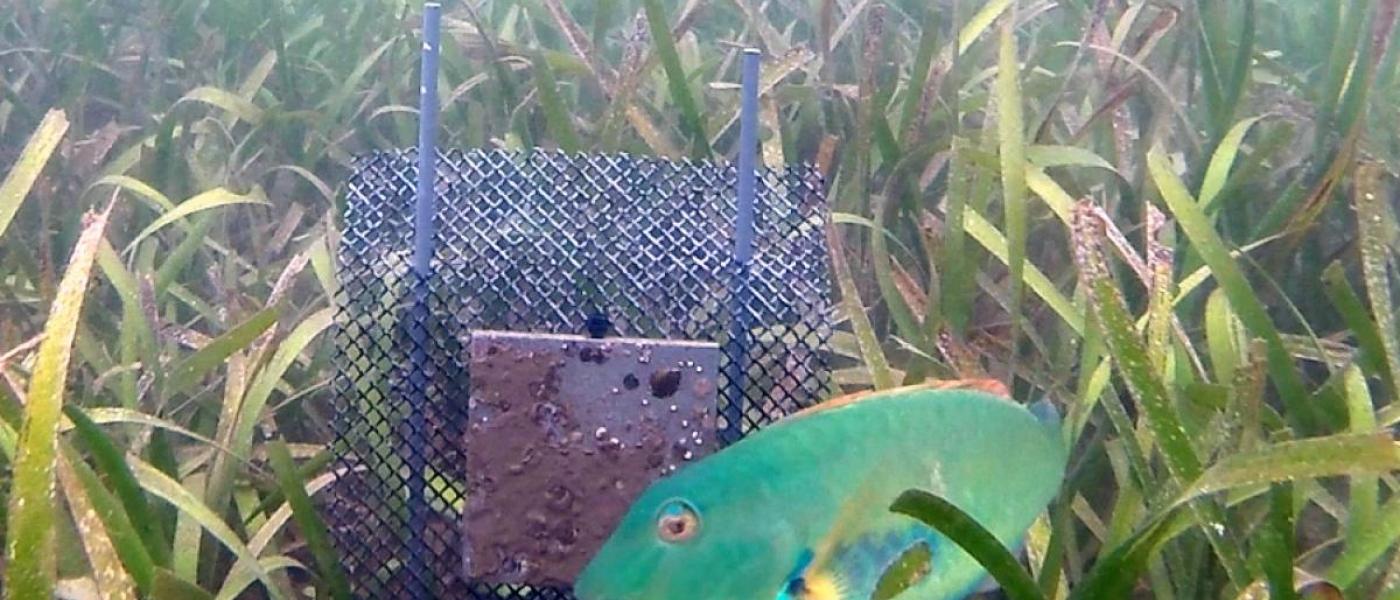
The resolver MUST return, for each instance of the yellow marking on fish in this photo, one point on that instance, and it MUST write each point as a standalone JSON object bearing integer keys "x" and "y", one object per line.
{"x": 823, "y": 586}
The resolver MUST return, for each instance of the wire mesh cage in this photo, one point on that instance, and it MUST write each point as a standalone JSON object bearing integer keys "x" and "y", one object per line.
{"x": 540, "y": 242}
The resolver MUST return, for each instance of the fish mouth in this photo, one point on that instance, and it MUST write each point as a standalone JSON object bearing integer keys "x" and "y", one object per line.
{"x": 624, "y": 575}
{"x": 586, "y": 588}
{"x": 586, "y": 593}
{"x": 581, "y": 595}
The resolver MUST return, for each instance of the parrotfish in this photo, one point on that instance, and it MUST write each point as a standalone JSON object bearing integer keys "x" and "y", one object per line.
{"x": 800, "y": 510}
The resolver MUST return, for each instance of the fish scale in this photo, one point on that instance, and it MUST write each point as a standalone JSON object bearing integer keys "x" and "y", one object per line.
{"x": 822, "y": 481}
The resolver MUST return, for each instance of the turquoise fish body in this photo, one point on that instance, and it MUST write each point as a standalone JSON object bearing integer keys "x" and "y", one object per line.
{"x": 800, "y": 509}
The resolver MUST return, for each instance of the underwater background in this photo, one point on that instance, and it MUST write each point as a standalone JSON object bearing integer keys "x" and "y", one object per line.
{"x": 1175, "y": 220}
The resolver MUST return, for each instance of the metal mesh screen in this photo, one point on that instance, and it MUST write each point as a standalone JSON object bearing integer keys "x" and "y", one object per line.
{"x": 538, "y": 242}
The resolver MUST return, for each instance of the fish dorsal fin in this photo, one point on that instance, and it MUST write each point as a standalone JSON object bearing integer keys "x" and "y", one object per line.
{"x": 990, "y": 386}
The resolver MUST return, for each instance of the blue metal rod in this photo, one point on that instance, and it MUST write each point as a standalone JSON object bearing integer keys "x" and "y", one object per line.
{"x": 425, "y": 207}
{"x": 748, "y": 151}
{"x": 427, "y": 141}
{"x": 743, "y": 248}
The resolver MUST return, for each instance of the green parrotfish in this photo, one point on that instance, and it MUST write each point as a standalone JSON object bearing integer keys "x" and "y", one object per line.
{"x": 800, "y": 510}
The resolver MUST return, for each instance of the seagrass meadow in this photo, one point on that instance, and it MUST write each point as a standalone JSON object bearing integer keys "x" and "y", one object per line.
{"x": 1173, "y": 219}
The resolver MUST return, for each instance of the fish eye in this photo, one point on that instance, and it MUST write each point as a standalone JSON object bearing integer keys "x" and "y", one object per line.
{"x": 677, "y": 521}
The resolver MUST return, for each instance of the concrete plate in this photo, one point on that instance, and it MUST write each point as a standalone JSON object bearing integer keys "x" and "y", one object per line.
{"x": 565, "y": 432}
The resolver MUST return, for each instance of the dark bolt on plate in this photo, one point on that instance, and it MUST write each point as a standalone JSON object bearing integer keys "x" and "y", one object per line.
{"x": 565, "y": 432}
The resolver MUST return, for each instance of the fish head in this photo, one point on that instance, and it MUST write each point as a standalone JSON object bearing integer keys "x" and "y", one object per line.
{"x": 696, "y": 534}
